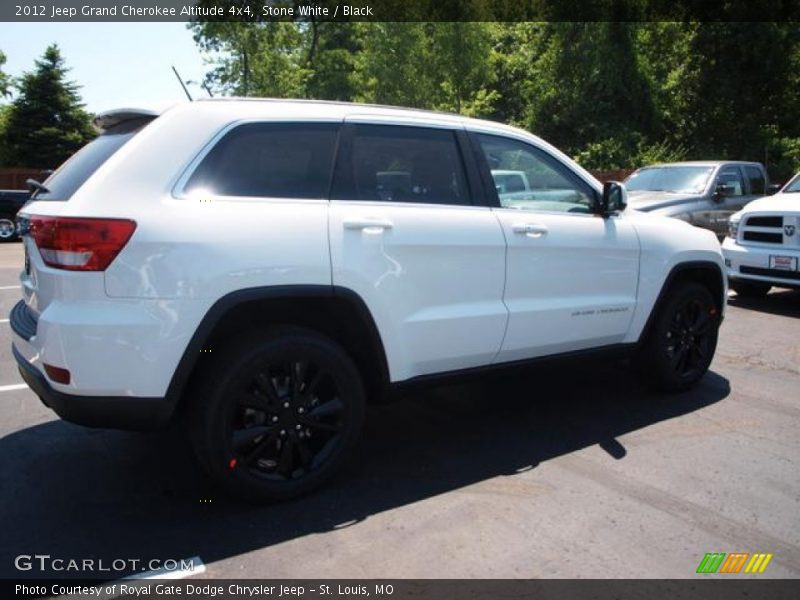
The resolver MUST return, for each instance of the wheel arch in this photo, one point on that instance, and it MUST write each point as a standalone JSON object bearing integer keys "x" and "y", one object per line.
{"x": 337, "y": 312}
{"x": 706, "y": 273}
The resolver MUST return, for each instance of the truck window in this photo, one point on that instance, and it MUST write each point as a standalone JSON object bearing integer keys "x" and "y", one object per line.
{"x": 755, "y": 176}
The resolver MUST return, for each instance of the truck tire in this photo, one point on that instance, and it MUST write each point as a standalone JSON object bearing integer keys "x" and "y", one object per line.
{"x": 750, "y": 289}
{"x": 276, "y": 413}
{"x": 680, "y": 343}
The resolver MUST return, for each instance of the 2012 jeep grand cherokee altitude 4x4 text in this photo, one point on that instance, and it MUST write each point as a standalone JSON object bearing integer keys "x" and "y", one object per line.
{"x": 263, "y": 268}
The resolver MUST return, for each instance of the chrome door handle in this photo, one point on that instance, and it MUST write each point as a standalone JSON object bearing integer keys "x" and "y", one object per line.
{"x": 529, "y": 229}
{"x": 367, "y": 224}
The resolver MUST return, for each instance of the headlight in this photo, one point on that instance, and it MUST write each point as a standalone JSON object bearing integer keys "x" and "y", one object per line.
{"x": 733, "y": 228}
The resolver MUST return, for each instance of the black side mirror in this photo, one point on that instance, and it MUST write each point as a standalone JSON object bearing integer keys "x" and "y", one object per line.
{"x": 721, "y": 191}
{"x": 773, "y": 188}
{"x": 614, "y": 199}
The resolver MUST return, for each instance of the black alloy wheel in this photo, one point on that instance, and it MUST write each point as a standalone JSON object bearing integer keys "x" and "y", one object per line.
{"x": 277, "y": 413}
{"x": 679, "y": 345}
{"x": 288, "y": 420}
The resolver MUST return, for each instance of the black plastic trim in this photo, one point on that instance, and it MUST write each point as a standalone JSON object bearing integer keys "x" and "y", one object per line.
{"x": 115, "y": 412}
{"x": 230, "y": 301}
{"x": 776, "y": 273}
{"x": 22, "y": 321}
{"x": 450, "y": 377}
{"x": 674, "y": 272}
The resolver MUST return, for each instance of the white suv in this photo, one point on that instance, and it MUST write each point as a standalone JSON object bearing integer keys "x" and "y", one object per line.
{"x": 264, "y": 268}
{"x": 763, "y": 244}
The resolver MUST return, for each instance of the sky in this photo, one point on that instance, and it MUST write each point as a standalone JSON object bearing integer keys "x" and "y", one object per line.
{"x": 116, "y": 64}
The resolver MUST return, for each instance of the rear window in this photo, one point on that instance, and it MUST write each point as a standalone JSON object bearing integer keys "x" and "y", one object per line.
{"x": 80, "y": 166}
{"x": 269, "y": 160}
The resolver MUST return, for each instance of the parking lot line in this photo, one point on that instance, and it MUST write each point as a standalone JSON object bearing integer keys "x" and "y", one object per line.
{"x": 10, "y": 287}
{"x": 12, "y": 387}
{"x": 3, "y": 320}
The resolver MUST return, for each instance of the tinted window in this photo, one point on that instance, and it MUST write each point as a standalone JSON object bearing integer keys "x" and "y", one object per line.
{"x": 732, "y": 178}
{"x": 756, "y": 178}
{"x": 77, "y": 170}
{"x": 527, "y": 177}
{"x": 277, "y": 160}
{"x": 404, "y": 164}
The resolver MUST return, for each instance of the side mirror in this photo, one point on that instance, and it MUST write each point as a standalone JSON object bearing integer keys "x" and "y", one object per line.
{"x": 614, "y": 199}
{"x": 721, "y": 191}
{"x": 772, "y": 189}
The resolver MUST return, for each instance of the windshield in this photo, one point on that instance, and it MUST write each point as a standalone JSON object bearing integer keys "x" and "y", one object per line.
{"x": 680, "y": 180}
{"x": 793, "y": 186}
{"x": 80, "y": 166}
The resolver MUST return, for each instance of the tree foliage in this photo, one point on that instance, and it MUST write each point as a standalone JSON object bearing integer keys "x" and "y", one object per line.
{"x": 46, "y": 122}
{"x": 615, "y": 93}
{"x": 4, "y": 80}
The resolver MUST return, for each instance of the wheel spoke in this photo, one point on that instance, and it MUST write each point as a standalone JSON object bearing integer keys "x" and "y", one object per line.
{"x": 327, "y": 409}
{"x": 259, "y": 448}
{"x": 314, "y": 383}
{"x": 321, "y": 425}
{"x": 265, "y": 385}
{"x": 243, "y": 437}
{"x": 286, "y": 459}
{"x": 305, "y": 453}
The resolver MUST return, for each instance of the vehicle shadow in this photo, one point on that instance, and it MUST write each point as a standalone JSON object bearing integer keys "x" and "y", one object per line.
{"x": 783, "y": 303}
{"x": 72, "y": 492}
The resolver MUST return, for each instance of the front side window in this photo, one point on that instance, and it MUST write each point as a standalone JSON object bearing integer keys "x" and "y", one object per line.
{"x": 731, "y": 178}
{"x": 758, "y": 185}
{"x": 526, "y": 177}
{"x": 269, "y": 160}
{"x": 392, "y": 163}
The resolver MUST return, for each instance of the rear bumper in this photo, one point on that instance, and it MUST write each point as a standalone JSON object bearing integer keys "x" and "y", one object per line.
{"x": 114, "y": 412}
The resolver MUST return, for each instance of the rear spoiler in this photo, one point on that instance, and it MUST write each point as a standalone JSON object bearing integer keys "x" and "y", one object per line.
{"x": 111, "y": 118}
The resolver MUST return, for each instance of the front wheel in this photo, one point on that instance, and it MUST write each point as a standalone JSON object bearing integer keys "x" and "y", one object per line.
{"x": 278, "y": 414}
{"x": 681, "y": 342}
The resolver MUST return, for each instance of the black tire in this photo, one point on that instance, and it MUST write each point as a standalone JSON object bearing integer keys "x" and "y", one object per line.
{"x": 680, "y": 344}
{"x": 750, "y": 289}
{"x": 276, "y": 413}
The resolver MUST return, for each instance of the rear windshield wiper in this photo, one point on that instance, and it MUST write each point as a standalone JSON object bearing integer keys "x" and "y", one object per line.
{"x": 36, "y": 186}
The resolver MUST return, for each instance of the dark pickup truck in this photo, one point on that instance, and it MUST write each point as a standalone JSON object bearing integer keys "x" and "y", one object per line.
{"x": 10, "y": 203}
{"x": 704, "y": 193}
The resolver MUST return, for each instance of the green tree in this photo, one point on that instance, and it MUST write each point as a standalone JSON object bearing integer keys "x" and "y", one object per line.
{"x": 46, "y": 123}
{"x": 4, "y": 80}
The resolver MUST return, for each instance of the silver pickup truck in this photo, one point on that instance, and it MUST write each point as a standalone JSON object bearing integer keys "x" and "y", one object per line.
{"x": 703, "y": 193}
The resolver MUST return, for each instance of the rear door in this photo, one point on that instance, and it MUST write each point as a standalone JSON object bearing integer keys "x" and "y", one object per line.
{"x": 408, "y": 234}
{"x": 571, "y": 276}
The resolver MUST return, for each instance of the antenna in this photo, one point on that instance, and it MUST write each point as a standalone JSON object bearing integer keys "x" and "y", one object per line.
{"x": 185, "y": 91}
{"x": 208, "y": 89}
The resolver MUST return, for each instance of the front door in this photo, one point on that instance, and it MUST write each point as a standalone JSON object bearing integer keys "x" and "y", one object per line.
{"x": 571, "y": 276}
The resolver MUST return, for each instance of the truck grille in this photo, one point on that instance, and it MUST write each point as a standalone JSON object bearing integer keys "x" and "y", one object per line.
{"x": 771, "y": 229}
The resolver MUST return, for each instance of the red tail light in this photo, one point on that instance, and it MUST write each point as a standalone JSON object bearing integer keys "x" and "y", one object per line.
{"x": 80, "y": 244}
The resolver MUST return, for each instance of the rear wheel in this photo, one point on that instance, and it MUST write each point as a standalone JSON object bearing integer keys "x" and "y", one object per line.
{"x": 750, "y": 289}
{"x": 278, "y": 414}
{"x": 680, "y": 345}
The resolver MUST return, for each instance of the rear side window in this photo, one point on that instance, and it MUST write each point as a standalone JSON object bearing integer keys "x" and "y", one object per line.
{"x": 269, "y": 160}
{"x": 393, "y": 163}
{"x": 758, "y": 184}
{"x": 77, "y": 170}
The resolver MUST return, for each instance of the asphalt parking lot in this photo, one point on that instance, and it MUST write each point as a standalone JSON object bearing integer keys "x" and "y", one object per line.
{"x": 567, "y": 471}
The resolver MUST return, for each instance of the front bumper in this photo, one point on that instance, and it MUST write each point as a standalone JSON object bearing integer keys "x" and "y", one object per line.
{"x": 114, "y": 412}
{"x": 751, "y": 263}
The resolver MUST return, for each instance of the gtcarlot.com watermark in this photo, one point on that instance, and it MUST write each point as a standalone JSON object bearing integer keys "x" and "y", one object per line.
{"x": 46, "y": 563}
